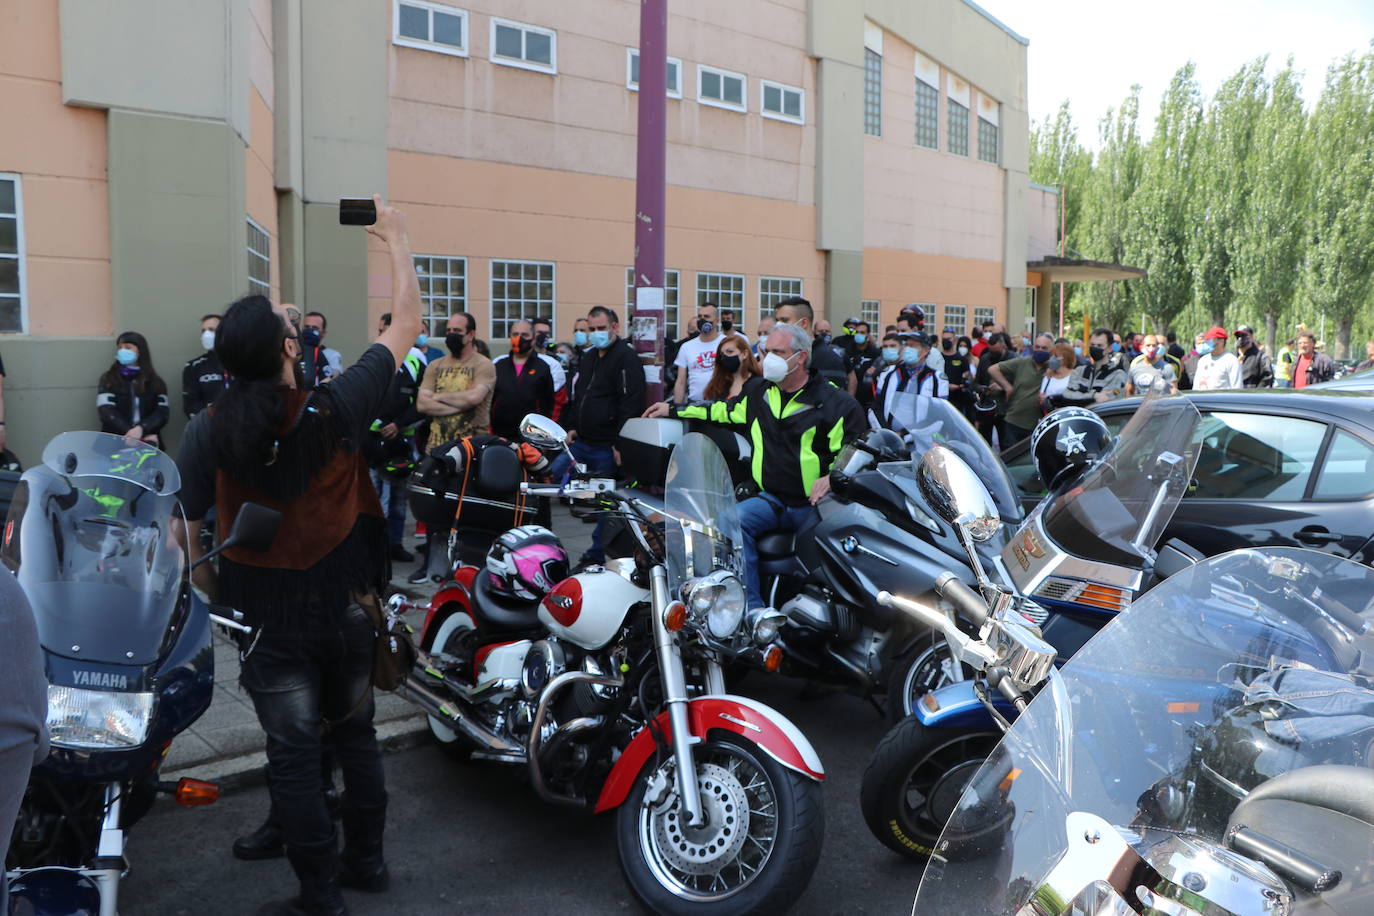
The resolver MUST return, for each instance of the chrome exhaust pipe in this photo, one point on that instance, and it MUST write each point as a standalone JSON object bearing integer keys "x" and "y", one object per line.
{"x": 452, "y": 713}
{"x": 555, "y": 687}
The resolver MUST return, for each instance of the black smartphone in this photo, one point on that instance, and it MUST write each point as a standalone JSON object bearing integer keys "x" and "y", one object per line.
{"x": 357, "y": 211}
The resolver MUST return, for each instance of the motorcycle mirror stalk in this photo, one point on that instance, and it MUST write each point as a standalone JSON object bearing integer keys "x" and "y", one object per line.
{"x": 255, "y": 528}
{"x": 546, "y": 435}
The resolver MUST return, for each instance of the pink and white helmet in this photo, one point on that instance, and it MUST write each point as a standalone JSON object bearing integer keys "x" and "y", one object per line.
{"x": 525, "y": 563}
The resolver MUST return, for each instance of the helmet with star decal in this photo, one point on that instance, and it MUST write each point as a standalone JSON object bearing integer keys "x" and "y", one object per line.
{"x": 1066, "y": 443}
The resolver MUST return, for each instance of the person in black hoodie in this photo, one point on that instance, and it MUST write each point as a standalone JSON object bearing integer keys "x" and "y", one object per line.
{"x": 609, "y": 390}
{"x": 132, "y": 397}
{"x": 524, "y": 384}
{"x": 203, "y": 378}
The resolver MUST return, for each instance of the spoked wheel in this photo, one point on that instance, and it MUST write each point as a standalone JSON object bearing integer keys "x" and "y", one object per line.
{"x": 924, "y": 667}
{"x": 755, "y": 853}
{"x": 914, "y": 782}
{"x": 446, "y": 639}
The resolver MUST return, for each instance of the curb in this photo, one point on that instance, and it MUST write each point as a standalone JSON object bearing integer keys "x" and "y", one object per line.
{"x": 246, "y": 771}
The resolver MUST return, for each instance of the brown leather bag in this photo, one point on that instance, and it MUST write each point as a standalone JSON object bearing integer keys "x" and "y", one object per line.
{"x": 395, "y": 651}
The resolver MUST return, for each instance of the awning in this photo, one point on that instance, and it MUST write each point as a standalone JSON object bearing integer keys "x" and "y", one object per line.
{"x": 1073, "y": 270}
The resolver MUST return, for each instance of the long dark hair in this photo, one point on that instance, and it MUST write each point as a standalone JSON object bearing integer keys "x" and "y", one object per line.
{"x": 147, "y": 381}
{"x": 719, "y": 384}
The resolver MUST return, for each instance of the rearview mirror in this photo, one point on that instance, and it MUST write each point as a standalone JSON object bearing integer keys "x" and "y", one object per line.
{"x": 957, "y": 494}
{"x": 542, "y": 433}
{"x": 255, "y": 528}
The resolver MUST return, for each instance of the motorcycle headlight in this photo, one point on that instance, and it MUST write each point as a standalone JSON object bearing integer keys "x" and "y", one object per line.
{"x": 719, "y": 599}
{"x": 98, "y": 718}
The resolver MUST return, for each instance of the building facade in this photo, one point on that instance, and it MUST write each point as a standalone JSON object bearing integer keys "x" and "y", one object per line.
{"x": 866, "y": 154}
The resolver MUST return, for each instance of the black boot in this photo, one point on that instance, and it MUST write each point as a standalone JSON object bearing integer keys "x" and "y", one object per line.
{"x": 317, "y": 868}
{"x": 263, "y": 843}
{"x": 363, "y": 867}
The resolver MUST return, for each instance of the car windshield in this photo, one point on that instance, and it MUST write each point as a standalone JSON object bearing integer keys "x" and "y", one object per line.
{"x": 1122, "y": 505}
{"x": 1233, "y": 672}
{"x": 702, "y": 528}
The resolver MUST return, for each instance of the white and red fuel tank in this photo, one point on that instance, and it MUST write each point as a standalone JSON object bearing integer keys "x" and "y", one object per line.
{"x": 588, "y": 609}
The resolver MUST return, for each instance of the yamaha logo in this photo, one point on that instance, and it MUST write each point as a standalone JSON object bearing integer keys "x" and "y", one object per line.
{"x": 100, "y": 679}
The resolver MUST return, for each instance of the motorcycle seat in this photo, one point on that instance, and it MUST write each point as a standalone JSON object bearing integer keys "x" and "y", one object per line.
{"x": 497, "y": 613}
{"x": 776, "y": 545}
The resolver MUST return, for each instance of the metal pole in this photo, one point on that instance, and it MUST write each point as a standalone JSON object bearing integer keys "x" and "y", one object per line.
{"x": 650, "y": 193}
{"x": 1062, "y": 242}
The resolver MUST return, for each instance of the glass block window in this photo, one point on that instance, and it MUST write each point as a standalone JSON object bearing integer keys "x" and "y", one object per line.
{"x": 11, "y": 256}
{"x": 430, "y": 27}
{"x": 956, "y": 316}
{"x": 720, "y": 88}
{"x": 773, "y": 290}
{"x": 725, "y": 290}
{"x": 514, "y": 44}
{"x": 927, "y": 115}
{"x": 982, "y": 314}
{"x": 259, "y": 260}
{"x": 873, "y": 93}
{"x": 520, "y": 290}
{"x": 782, "y": 103}
{"x": 870, "y": 310}
{"x": 670, "y": 299}
{"x": 443, "y": 290}
{"x": 674, "y": 80}
{"x": 987, "y": 141}
{"x": 958, "y": 128}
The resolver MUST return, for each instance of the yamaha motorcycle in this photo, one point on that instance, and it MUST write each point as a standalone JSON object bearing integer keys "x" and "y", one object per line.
{"x": 609, "y": 693}
{"x": 1082, "y": 555}
{"x": 1207, "y": 753}
{"x": 93, "y": 536}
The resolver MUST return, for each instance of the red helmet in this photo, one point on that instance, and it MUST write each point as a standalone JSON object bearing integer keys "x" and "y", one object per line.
{"x": 525, "y": 563}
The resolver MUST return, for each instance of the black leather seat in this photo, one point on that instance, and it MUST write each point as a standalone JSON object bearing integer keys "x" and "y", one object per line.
{"x": 497, "y": 613}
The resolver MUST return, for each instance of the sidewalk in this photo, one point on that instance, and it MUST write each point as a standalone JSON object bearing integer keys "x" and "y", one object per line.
{"x": 225, "y": 745}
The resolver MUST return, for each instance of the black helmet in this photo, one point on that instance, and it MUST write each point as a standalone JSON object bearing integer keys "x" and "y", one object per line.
{"x": 9, "y": 462}
{"x": 1068, "y": 442}
{"x": 872, "y": 446}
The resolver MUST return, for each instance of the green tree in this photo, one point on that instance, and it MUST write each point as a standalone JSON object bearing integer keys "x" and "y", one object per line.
{"x": 1106, "y": 214}
{"x": 1339, "y": 276}
{"x": 1058, "y": 159}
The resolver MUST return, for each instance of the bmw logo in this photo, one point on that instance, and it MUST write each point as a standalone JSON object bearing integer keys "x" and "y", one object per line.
{"x": 849, "y": 544}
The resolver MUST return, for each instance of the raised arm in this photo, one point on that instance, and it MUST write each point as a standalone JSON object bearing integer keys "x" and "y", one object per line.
{"x": 405, "y": 288}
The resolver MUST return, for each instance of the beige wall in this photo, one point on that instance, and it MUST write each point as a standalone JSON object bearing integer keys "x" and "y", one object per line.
{"x": 1042, "y": 217}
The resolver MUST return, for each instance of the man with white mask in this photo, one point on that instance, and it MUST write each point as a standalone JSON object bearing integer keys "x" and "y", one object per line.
{"x": 202, "y": 379}
{"x": 798, "y": 425}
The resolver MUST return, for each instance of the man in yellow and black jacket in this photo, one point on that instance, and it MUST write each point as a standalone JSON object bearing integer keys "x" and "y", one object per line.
{"x": 796, "y": 426}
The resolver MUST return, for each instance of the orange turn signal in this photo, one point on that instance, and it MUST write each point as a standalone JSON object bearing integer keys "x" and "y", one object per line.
{"x": 675, "y": 616}
{"x": 772, "y": 658}
{"x": 191, "y": 792}
{"x": 1005, "y": 784}
{"x": 1181, "y": 708}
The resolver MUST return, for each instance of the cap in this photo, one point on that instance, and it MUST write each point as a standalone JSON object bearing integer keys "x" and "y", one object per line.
{"x": 851, "y": 320}
{"x": 949, "y": 331}
{"x": 1245, "y": 329}
{"x": 1217, "y": 333}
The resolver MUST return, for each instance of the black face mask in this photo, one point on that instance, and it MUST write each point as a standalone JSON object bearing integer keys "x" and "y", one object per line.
{"x": 823, "y": 338}
{"x": 729, "y": 363}
{"x": 455, "y": 343}
{"x": 541, "y": 339}
{"x": 727, "y": 325}
{"x": 946, "y": 345}
{"x": 1096, "y": 353}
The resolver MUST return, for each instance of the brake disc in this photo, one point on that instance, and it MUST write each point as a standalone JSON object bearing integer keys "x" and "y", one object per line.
{"x": 704, "y": 850}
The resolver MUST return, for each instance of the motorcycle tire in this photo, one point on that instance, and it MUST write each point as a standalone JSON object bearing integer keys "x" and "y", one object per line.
{"x": 450, "y": 631}
{"x": 916, "y": 670}
{"x": 663, "y": 861}
{"x": 915, "y": 779}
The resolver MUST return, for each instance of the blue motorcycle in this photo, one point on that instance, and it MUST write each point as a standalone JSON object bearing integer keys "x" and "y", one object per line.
{"x": 95, "y": 540}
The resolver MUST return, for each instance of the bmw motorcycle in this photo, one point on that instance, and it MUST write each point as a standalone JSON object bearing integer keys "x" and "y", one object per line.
{"x": 608, "y": 692}
{"x": 1207, "y": 753}
{"x": 92, "y": 536}
{"x": 1081, "y": 557}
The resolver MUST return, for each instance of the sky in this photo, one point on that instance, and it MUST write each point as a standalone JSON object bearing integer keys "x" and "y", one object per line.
{"x": 1092, "y": 51}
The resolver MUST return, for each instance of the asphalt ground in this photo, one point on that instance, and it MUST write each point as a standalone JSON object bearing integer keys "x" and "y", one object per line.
{"x": 474, "y": 839}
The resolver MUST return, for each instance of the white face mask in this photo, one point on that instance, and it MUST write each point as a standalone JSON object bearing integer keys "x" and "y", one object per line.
{"x": 963, "y": 351}
{"x": 207, "y": 340}
{"x": 775, "y": 367}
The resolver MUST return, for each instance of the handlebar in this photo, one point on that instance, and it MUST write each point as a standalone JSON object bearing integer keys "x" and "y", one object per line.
{"x": 973, "y": 651}
{"x": 966, "y": 601}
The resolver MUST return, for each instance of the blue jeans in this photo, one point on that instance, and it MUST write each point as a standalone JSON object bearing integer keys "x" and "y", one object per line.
{"x": 600, "y": 462}
{"x": 1283, "y": 383}
{"x": 392, "y": 492}
{"x": 759, "y": 515}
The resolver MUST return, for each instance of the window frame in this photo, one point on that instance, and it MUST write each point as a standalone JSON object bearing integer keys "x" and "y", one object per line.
{"x": 950, "y": 133}
{"x": 20, "y": 255}
{"x": 430, "y": 44}
{"x": 631, "y": 54}
{"x": 765, "y": 85}
{"x": 933, "y": 93}
{"x": 996, "y": 141}
{"x": 743, "y": 106}
{"x": 264, "y": 256}
{"x": 491, "y": 299}
{"x": 700, "y": 295}
{"x": 801, "y": 291}
{"x": 945, "y": 322}
{"x": 427, "y": 298}
{"x": 521, "y": 63}
{"x": 873, "y": 317}
{"x": 877, "y": 131}
{"x": 983, "y": 313}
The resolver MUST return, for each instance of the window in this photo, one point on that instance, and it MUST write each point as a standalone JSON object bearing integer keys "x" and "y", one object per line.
{"x": 987, "y": 141}
{"x": 430, "y": 27}
{"x": 720, "y": 88}
{"x": 632, "y": 73}
{"x": 520, "y": 290}
{"x": 773, "y": 290}
{"x": 873, "y": 93}
{"x": 958, "y": 128}
{"x": 1253, "y": 456}
{"x": 927, "y": 115}
{"x": 782, "y": 103}
{"x": 670, "y": 296}
{"x": 529, "y": 47}
{"x": 11, "y": 256}
{"x": 870, "y": 310}
{"x": 982, "y": 314}
{"x": 259, "y": 260}
{"x": 443, "y": 289}
{"x": 956, "y": 316}
{"x": 725, "y": 290}
{"x": 1348, "y": 472}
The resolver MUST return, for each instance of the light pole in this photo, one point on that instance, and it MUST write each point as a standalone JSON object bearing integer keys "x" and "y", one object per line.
{"x": 650, "y": 191}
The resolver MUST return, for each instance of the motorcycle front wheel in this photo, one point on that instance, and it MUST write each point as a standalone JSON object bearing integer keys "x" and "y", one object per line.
{"x": 758, "y": 849}
{"x": 923, "y": 666}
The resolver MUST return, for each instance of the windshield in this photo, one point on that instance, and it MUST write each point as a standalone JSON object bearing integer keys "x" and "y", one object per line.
{"x": 1118, "y": 510}
{"x": 88, "y": 454}
{"x": 926, "y": 421}
{"x": 1228, "y": 674}
{"x": 702, "y": 529}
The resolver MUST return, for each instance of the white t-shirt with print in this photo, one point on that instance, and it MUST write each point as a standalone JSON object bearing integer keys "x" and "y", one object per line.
{"x": 698, "y": 357}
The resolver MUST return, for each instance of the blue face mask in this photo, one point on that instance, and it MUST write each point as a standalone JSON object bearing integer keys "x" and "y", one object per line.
{"x": 1077, "y": 351}
{"x": 861, "y": 339}
{"x": 1204, "y": 348}
{"x": 912, "y": 356}
{"x": 1116, "y": 347}
{"x": 421, "y": 340}
{"x": 125, "y": 357}
{"x": 890, "y": 354}
{"x": 600, "y": 339}
{"x": 310, "y": 337}
{"x": 580, "y": 338}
